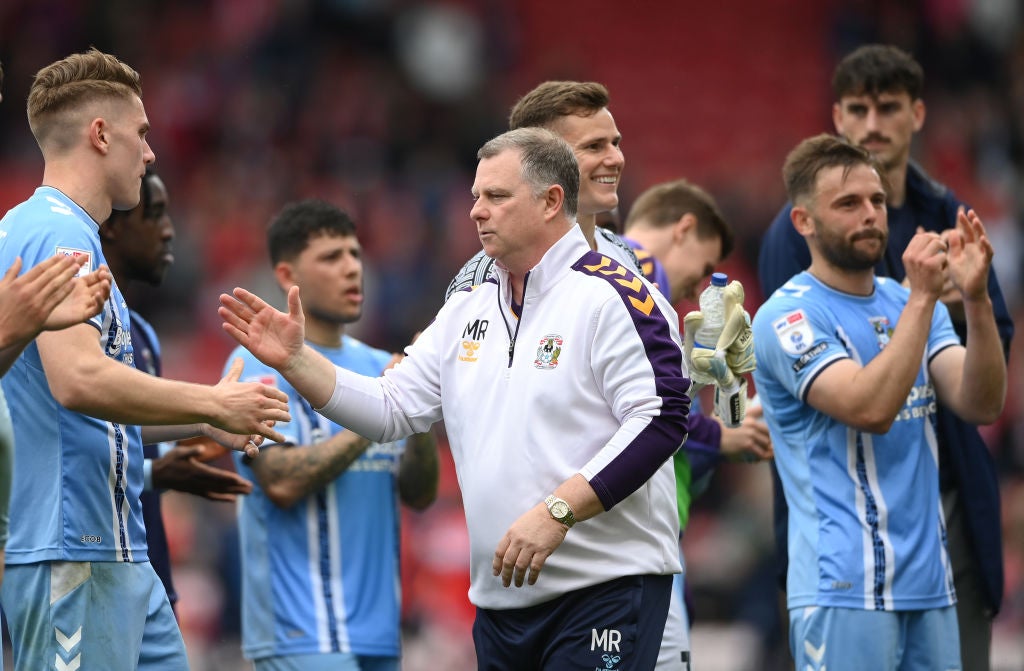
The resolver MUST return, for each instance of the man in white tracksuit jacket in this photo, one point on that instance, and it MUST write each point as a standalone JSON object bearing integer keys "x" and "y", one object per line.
{"x": 562, "y": 387}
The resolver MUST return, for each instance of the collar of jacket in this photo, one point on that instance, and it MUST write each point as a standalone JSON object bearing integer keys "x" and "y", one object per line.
{"x": 553, "y": 266}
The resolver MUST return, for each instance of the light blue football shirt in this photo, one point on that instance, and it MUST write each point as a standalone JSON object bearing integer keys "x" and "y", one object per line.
{"x": 77, "y": 479}
{"x": 323, "y": 575}
{"x": 866, "y": 528}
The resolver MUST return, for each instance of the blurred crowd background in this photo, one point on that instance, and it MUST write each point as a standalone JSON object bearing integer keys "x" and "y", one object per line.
{"x": 380, "y": 105}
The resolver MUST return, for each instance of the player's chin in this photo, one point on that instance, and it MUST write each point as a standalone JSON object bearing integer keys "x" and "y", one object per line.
{"x": 489, "y": 244}
{"x": 606, "y": 196}
{"x": 350, "y": 313}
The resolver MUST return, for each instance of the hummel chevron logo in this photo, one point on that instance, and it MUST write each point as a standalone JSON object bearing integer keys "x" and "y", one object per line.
{"x": 68, "y": 666}
{"x": 634, "y": 285}
{"x": 607, "y": 267}
{"x": 644, "y": 306}
{"x": 68, "y": 642}
{"x": 642, "y": 301}
{"x": 816, "y": 654}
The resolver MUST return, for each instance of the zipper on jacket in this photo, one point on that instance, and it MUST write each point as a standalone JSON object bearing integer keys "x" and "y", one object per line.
{"x": 515, "y": 334}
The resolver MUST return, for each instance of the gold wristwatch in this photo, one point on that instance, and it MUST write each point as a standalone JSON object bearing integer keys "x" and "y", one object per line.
{"x": 560, "y": 510}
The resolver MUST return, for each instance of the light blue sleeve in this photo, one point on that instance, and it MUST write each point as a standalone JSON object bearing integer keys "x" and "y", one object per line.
{"x": 62, "y": 235}
{"x": 794, "y": 341}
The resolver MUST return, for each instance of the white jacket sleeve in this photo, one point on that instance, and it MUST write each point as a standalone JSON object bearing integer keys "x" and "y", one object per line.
{"x": 406, "y": 399}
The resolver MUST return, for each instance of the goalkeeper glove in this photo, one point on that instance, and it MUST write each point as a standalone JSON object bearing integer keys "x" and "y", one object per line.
{"x": 737, "y": 337}
{"x": 725, "y": 365}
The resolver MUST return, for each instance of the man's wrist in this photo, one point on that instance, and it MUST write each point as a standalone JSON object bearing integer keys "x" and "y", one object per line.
{"x": 560, "y": 510}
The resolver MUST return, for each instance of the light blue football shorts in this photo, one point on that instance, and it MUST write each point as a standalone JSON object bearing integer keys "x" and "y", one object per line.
{"x": 335, "y": 661}
{"x": 848, "y": 639}
{"x": 91, "y": 615}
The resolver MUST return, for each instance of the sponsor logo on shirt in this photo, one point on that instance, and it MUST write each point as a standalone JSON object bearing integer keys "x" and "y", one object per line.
{"x": 794, "y": 332}
{"x": 469, "y": 350}
{"x": 548, "y": 351}
{"x": 883, "y": 330}
{"x": 920, "y": 403}
{"x": 118, "y": 341}
{"x": 472, "y": 338}
{"x": 809, "y": 356}
{"x": 78, "y": 253}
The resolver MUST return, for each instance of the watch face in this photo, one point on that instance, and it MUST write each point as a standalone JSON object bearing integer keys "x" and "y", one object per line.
{"x": 559, "y": 509}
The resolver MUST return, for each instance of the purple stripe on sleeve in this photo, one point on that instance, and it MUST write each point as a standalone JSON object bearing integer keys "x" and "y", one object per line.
{"x": 660, "y": 439}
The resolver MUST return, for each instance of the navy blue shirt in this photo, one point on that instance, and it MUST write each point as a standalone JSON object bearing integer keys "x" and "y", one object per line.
{"x": 147, "y": 359}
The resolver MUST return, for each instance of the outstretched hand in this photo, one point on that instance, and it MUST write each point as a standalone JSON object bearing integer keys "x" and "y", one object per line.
{"x": 181, "y": 469}
{"x": 249, "y": 407}
{"x": 248, "y": 443}
{"x": 272, "y": 336}
{"x": 48, "y": 296}
{"x": 87, "y": 295}
{"x": 970, "y": 255}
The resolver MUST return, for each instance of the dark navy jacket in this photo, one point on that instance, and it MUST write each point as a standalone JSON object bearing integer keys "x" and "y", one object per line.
{"x": 146, "y": 349}
{"x": 965, "y": 462}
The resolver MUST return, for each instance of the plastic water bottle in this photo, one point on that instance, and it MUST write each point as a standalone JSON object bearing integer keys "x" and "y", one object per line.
{"x": 712, "y": 306}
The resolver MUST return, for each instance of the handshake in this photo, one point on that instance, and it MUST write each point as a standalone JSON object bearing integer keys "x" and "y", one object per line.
{"x": 725, "y": 365}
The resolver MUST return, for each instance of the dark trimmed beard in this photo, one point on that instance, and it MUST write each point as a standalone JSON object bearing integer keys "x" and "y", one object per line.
{"x": 843, "y": 253}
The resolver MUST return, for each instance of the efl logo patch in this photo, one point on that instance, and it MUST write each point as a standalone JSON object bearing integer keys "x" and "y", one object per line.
{"x": 794, "y": 332}
{"x": 547, "y": 352}
{"x": 78, "y": 253}
{"x": 264, "y": 379}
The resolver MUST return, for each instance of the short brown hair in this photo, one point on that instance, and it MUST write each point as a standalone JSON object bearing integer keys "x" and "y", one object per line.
{"x": 810, "y": 157}
{"x": 552, "y": 100}
{"x": 75, "y": 81}
{"x": 545, "y": 159}
{"x": 665, "y": 204}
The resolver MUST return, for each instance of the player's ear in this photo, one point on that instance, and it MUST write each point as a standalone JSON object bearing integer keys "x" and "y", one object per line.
{"x": 99, "y": 133}
{"x": 686, "y": 225}
{"x": 802, "y": 221}
{"x": 918, "y": 110}
{"x": 285, "y": 275}
{"x": 553, "y": 200}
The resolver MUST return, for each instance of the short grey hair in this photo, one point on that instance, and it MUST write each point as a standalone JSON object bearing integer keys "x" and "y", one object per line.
{"x": 546, "y": 160}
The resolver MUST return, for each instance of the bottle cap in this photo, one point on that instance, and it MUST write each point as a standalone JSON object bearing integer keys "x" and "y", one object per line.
{"x": 719, "y": 279}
